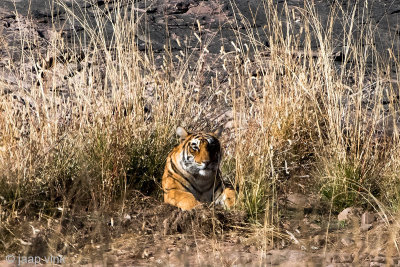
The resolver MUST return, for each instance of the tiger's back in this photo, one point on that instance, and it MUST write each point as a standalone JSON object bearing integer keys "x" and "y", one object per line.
{"x": 192, "y": 175}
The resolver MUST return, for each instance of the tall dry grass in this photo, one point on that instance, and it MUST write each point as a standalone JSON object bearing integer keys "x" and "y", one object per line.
{"x": 82, "y": 145}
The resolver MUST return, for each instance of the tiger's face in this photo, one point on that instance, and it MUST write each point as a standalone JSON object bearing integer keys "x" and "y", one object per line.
{"x": 201, "y": 153}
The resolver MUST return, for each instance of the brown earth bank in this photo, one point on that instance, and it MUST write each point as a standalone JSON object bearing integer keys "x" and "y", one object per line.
{"x": 150, "y": 233}
{"x": 147, "y": 232}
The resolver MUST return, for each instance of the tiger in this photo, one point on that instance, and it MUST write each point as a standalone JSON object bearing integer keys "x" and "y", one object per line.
{"x": 192, "y": 175}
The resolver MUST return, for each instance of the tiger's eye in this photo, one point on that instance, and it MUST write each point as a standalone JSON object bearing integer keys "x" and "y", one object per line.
{"x": 194, "y": 147}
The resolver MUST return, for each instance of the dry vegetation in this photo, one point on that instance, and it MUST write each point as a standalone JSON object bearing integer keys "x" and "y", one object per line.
{"x": 79, "y": 151}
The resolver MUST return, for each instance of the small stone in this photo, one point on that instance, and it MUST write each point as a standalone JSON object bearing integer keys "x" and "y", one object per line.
{"x": 319, "y": 240}
{"x": 339, "y": 258}
{"x": 367, "y": 218}
{"x": 297, "y": 199}
{"x": 380, "y": 259}
{"x": 315, "y": 226}
{"x": 365, "y": 227}
{"x": 286, "y": 225}
{"x": 229, "y": 125}
{"x": 146, "y": 254}
{"x": 394, "y": 260}
{"x": 347, "y": 241}
{"x": 376, "y": 264}
{"x": 343, "y": 258}
{"x": 347, "y": 214}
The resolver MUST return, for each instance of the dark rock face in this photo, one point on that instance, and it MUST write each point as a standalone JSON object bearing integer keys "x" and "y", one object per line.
{"x": 201, "y": 29}
{"x": 175, "y": 22}
{"x": 168, "y": 20}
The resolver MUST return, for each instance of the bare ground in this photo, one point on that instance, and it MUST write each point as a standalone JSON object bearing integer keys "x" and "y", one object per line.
{"x": 150, "y": 233}
{"x": 163, "y": 235}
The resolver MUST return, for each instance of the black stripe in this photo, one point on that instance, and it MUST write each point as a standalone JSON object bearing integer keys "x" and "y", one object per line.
{"x": 185, "y": 150}
{"x": 172, "y": 176}
{"x": 170, "y": 173}
{"x": 186, "y": 188}
{"x": 175, "y": 169}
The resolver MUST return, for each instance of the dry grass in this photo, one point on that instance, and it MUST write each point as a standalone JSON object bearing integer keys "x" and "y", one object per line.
{"x": 83, "y": 145}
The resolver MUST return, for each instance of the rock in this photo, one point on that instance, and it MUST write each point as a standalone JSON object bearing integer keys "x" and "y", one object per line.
{"x": 339, "y": 258}
{"x": 315, "y": 226}
{"x": 347, "y": 241}
{"x": 127, "y": 217}
{"x": 379, "y": 259}
{"x": 343, "y": 258}
{"x": 367, "y": 218}
{"x": 279, "y": 257}
{"x": 394, "y": 260}
{"x": 365, "y": 227}
{"x": 319, "y": 240}
{"x": 348, "y": 214}
{"x": 146, "y": 253}
{"x": 297, "y": 201}
{"x": 376, "y": 264}
{"x": 229, "y": 125}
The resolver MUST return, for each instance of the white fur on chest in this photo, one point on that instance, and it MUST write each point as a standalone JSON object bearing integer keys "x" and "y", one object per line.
{"x": 203, "y": 179}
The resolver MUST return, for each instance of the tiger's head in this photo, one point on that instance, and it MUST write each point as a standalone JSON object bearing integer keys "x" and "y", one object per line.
{"x": 201, "y": 152}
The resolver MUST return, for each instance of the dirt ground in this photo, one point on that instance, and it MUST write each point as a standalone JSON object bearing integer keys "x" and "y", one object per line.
{"x": 150, "y": 233}
{"x": 307, "y": 235}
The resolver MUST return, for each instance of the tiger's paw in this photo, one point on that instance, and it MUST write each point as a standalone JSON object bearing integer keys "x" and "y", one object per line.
{"x": 229, "y": 198}
{"x": 189, "y": 205}
{"x": 181, "y": 199}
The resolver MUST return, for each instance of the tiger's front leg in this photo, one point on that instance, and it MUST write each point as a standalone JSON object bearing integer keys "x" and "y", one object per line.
{"x": 182, "y": 199}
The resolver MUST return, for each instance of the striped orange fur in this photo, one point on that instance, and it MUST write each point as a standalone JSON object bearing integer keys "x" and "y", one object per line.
{"x": 192, "y": 174}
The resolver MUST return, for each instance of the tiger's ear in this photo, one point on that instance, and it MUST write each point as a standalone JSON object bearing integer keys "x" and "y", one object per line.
{"x": 181, "y": 133}
{"x": 219, "y": 131}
